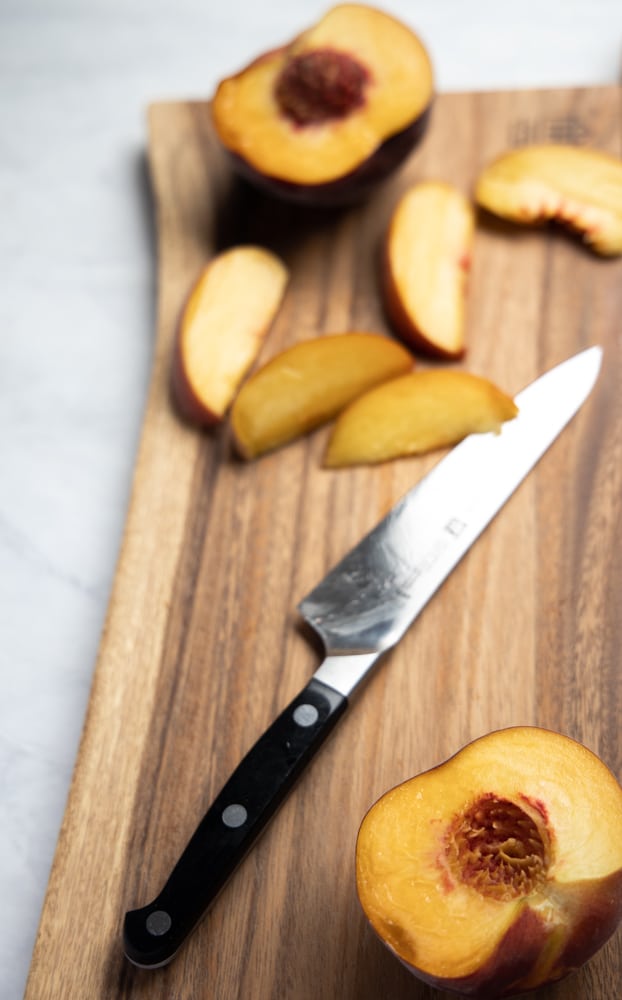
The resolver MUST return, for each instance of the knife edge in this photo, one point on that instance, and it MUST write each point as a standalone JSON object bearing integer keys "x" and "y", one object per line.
{"x": 372, "y": 596}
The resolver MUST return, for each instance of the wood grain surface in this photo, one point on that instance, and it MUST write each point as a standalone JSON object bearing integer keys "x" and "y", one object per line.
{"x": 202, "y": 644}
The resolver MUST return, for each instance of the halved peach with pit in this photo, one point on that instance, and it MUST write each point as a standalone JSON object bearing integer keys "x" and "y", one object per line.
{"x": 415, "y": 413}
{"x": 500, "y": 870}
{"x": 308, "y": 384}
{"x": 323, "y": 119}
{"x": 577, "y": 186}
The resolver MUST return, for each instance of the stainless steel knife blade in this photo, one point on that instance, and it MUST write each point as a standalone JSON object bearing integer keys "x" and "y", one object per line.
{"x": 360, "y": 610}
{"x": 366, "y": 603}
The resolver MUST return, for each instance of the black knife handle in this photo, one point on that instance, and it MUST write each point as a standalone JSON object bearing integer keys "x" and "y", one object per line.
{"x": 251, "y": 796}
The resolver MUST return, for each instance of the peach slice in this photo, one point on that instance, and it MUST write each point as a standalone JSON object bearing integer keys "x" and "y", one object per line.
{"x": 222, "y": 327}
{"x": 427, "y": 255}
{"x": 323, "y": 119}
{"x": 307, "y": 384}
{"x": 579, "y": 187}
{"x": 499, "y": 870}
{"x": 415, "y": 413}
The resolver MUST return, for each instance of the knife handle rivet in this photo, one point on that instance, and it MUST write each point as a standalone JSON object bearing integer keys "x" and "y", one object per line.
{"x": 306, "y": 715}
{"x": 158, "y": 923}
{"x": 234, "y": 815}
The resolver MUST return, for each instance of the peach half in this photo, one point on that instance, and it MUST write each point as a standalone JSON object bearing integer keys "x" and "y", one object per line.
{"x": 308, "y": 384}
{"x": 415, "y": 413}
{"x": 427, "y": 255}
{"x": 221, "y": 330}
{"x": 324, "y": 119}
{"x": 499, "y": 870}
{"x": 579, "y": 187}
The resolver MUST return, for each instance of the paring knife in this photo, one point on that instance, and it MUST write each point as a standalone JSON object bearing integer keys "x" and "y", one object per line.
{"x": 360, "y": 610}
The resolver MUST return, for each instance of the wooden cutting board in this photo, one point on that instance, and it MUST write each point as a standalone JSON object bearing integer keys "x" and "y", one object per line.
{"x": 202, "y": 645}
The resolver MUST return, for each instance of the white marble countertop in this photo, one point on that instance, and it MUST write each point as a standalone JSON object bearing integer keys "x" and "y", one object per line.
{"x": 77, "y": 311}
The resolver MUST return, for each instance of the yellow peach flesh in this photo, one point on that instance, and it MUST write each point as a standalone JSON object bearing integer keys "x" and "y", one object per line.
{"x": 442, "y": 924}
{"x": 416, "y": 413}
{"x": 577, "y": 186}
{"x": 225, "y": 320}
{"x": 428, "y": 250}
{"x": 307, "y": 384}
{"x": 250, "y": 123}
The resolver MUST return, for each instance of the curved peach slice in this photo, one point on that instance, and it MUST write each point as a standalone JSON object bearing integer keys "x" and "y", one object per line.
{"x": 307, "y": 384}
{"x": 499, "y": 870}
{"x": 416, "y": 413}
{"x": 579, "y": 187}
{"x": 326, "y": 117}
{"x": 426, "y": 259}
{"x": 222, "y": 327}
